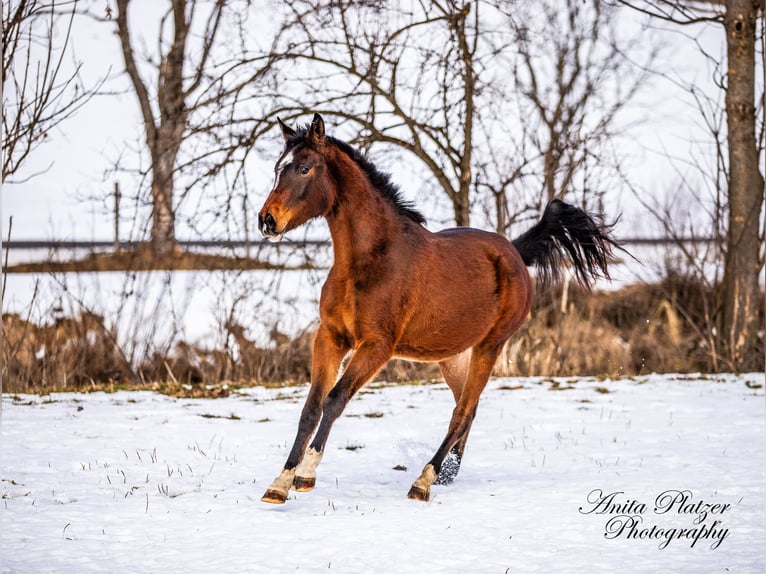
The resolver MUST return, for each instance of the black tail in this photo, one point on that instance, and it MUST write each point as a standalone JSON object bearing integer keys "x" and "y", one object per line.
{"x": 565, "y": 229}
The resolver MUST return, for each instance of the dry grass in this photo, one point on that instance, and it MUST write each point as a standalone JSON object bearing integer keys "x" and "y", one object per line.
{"x": 70, "y": 353}
{"x": 639, "y": 329}
{"x": 628, "y": 332}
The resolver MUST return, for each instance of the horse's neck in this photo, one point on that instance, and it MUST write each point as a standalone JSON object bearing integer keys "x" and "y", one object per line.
{"x": 362, "y": 221}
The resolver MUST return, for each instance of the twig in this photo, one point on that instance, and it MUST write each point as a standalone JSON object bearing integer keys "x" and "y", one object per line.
{"x": 5, "y": 266}
{"x": 170, "y": 373}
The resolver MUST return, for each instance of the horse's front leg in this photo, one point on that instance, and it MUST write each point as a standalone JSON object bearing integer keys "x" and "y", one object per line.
{"x": 365, "y": 362}
{"x": 328, "y": 352}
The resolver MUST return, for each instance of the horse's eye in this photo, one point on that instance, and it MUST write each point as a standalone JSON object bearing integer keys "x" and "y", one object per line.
{"x": 304, "y": 170}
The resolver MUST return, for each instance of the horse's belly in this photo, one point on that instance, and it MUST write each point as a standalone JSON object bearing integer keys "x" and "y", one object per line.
{"x": 437, "y": 332}
{"x": 462, "y": 296}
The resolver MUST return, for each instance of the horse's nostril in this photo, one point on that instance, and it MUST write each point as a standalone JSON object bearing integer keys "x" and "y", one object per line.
{"x": 267, "y": 224}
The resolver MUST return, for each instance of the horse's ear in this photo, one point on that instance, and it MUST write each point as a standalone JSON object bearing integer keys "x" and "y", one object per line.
{"x": 287, "y": 131}
{"x": 316, "y": 133}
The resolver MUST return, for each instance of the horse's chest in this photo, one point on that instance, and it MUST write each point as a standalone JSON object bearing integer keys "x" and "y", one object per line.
{"x": 350, "y": 307}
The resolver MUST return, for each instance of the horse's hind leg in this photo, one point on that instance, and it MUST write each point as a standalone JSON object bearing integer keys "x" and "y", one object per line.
{"x": 451, "y": 465}
{"x": 481, "y": 364}
{"x": 455, "y": 372}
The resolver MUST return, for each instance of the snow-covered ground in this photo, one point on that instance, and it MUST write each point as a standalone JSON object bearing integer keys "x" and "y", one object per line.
{"x": 139, "y": 482}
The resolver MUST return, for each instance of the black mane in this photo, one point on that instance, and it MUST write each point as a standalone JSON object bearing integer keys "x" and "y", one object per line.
{"x": 379, "y": 179}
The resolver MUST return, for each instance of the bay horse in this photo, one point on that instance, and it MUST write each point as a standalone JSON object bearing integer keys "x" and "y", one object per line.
{"x": 396, "y": 289}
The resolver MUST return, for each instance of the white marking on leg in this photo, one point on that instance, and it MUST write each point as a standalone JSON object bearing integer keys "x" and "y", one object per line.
{"x": 308, "y": 466}
{"x": 426, "y": 479}
{"x": 283, "y": 482}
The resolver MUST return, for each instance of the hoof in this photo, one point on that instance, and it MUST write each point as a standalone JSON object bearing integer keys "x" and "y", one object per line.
{"x": 421, "y": 488}
{"x": 305, "y": 473}
{"x": 417, "y": 493}
{"x": 302, "y": 484}
{"x": 274, "y": 497}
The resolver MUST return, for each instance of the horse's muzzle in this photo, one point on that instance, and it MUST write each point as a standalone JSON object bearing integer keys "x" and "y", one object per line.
{"x": 268, "y": 226}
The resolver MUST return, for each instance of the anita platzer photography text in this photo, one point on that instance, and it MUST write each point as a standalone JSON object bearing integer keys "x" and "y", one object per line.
{"x": 684, "y": 518}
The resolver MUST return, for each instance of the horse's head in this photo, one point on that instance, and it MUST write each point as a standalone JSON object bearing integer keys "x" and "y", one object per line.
{"x": 302, "y": 188}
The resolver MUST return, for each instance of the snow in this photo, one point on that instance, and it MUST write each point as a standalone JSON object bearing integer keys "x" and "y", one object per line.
{"x": 140, "y": 482}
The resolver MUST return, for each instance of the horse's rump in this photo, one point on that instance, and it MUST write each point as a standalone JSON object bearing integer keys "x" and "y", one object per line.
{"x": 460, "y": 292}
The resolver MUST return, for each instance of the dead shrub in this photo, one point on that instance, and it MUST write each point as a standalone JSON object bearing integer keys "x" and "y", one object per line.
{"x": 70, "y": 353}
{"x": 667, "y": 327}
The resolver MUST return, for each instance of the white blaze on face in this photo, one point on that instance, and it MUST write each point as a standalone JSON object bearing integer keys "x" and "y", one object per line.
{"x": 286, "y": 160}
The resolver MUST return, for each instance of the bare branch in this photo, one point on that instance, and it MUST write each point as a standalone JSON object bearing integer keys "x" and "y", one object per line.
{"x": 123, "y": 30}
{"x": 38, "y": 94}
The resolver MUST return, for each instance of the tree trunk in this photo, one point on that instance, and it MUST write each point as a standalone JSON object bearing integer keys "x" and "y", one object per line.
{"x": 463, "y": 200}
{"x": 163, "y": 235}
{"x": 740, "y": 282}
{"x": 462, "y": 207}
{"x": 163, "y": 137}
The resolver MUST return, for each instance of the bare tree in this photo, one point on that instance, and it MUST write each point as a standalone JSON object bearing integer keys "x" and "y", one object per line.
{"x": 191, "y": 95}
{"x": 574, "y": 69}
{"x": 742, "y": 264}
{"x": 166, "y": 125}
{"x": 743, "y": 253}
{"x": 40, "y": 89}
{"x": 574, "y": 74}
{"x": 406, "y": 78}
{"x": 432, "y": 79}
